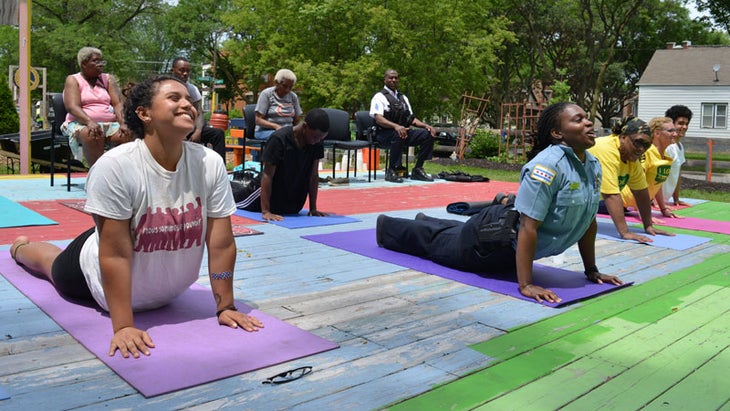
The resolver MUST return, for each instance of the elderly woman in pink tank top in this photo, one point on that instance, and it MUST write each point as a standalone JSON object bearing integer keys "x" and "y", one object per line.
{"x": 94, "y": 103}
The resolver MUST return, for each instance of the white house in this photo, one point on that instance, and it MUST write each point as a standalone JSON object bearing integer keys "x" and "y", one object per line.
{"x": 695, "y": 76}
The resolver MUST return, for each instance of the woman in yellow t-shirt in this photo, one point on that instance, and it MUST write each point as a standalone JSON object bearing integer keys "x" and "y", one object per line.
{"x": 619, "y": 156}
{"x": 656, "y": 164}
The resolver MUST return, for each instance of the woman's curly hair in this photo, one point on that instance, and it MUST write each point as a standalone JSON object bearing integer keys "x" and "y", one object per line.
{"x": 141, "y": 96}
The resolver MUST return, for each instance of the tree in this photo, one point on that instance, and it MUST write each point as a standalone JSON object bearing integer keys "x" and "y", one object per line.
{"x": 197, "y": 30}
{"x": 598, "y": 48}
{"x": 340, "y": 49}
{"x": 8, "y": 47}
{"x": 61, "y": 27}
{"x": 9, "y": 122}
{"x": 718, "y": 9}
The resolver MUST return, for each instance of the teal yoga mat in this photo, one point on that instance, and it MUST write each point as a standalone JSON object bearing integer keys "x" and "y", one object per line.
{"x": 13, "y": 214}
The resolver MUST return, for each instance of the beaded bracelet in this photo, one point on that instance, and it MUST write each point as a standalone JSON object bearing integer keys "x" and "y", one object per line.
{"x": 221, "y": 276}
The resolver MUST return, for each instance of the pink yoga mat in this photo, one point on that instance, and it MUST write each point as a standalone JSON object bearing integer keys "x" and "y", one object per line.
{"x": 568, "y": 285}
{"x": 191, "y": 348}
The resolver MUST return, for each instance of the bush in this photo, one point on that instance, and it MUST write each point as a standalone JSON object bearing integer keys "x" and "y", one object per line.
{"x": 483, "y": 144}
{"x": 235, "y": 113}
{"x": 9, "y": 122}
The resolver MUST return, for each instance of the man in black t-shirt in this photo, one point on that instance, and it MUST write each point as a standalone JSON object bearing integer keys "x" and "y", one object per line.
{"x": 291, "y": 158}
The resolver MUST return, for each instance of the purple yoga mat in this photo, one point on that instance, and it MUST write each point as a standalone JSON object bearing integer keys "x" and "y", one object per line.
{"x": 568, "y": 285}
{"x": 689, "y": 223}
{"x": 191, "y": 348}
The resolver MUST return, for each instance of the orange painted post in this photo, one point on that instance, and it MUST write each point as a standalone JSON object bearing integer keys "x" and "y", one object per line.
{"x": 708, "y": 163}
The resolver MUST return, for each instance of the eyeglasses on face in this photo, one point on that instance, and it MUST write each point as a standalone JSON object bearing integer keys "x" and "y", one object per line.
{"x": 670, "y": 130}
{"x": 98, "y": 62}
{"x": 288, "y": 376}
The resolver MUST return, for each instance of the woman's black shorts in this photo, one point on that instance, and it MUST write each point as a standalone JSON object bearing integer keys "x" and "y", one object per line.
{"x": 66, "y": 270}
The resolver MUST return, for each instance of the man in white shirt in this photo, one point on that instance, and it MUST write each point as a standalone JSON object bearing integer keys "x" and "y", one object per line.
{"x": 396, "y": 129}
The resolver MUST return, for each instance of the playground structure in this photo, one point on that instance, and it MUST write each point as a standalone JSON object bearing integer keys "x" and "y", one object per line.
{"x": 472, "y": 109}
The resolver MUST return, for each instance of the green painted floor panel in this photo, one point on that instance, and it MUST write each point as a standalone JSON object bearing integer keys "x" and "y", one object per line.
{"x": 711, "y": 210}
{"x": 705, "y": 389}
{"x": 526, "y": 354}
{"x": 657, "y": 373}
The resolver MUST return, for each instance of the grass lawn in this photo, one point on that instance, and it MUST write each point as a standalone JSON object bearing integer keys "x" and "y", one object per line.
{"x": 514, "y": 176}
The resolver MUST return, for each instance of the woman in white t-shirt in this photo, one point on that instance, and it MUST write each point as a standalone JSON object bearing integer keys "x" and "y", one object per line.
{"x": 154, "y": 210}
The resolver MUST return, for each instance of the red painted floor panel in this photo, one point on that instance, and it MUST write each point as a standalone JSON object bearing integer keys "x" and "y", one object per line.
{"x": 373, "y": 200}
{"x": 346, "y": 201}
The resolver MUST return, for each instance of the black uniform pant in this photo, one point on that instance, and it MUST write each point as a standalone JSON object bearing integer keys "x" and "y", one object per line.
{"x": 418, "y": 137}
{"x": 451, "y": 243}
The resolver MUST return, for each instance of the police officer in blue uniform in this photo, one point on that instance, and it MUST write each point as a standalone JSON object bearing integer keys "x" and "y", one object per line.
{"x": 555, "y": 208}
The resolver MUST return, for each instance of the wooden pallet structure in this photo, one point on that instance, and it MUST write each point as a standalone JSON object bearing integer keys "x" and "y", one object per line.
{"x": 519, "y": 122}
{"x": 472, "y": 109}
{"x": 519, "y": 125}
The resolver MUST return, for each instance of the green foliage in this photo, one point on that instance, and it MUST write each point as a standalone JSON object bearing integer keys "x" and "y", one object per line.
{"x": 561, "y": 89}
{"x": 340, "y": 49}
{"x": 719, "y": 11}
{"x": 8, "y": 47}
{"x": 483, "y": 144}
{"x": 235, "y": 113}
{"x": 8, "y": 116}
{"x": 128, "y": 33}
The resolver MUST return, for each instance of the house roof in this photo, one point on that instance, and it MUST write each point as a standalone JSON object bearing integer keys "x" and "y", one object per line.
{"x": 688, "y": 66}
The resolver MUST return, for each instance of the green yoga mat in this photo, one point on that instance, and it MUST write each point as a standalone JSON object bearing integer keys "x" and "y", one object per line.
{"x": 13, "y": 214}
{"x": 711, "y": 210}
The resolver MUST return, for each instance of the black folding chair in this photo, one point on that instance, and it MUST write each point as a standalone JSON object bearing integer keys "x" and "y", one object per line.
{"x": 339, "y": 136}
{"x": 249, "y": 139}
{"x": 366, "y": 130}
{"x": 59, "y": 116}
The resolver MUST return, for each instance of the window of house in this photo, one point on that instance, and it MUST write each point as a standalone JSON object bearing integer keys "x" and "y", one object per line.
{"x": 714, "y": 115}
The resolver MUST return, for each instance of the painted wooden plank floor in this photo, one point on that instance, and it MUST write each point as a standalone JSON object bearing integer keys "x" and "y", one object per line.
{"x": 657, "y": 345}
{"x": 401, "y": 332}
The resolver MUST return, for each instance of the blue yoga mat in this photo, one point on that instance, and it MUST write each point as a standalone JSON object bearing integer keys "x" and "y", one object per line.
{"x": 680, "y": 242}
{"x": 13, "y": 214}
{"x": 3, "y": 394}
{"x": 301, "y": 220}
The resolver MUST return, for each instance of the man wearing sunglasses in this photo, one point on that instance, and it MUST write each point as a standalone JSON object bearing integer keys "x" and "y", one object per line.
{"x": 619, "y": 155}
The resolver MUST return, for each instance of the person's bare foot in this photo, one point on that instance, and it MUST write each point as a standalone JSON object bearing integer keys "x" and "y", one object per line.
{"x": 19, "y": 242}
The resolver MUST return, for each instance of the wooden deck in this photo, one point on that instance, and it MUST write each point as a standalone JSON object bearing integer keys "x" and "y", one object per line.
{"x": 406, "y": 337}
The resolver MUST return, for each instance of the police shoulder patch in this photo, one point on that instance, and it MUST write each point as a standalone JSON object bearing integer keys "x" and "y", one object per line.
{"x": 543, "y": 174}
